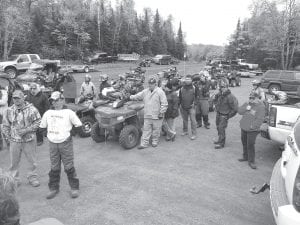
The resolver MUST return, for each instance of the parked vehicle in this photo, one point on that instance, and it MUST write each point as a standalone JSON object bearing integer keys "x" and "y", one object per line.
{"x": 124, "y": 123}
{"x": 82, "y": 68}
{"x": 102, "y": 57}
{"x": 250, "y": 66}
{"x": 285, "y": 182}
{"x": 280, "y": 121}
{"x": 145, "y": 63}
{"x": 20, "y": 63}
{"x": 281, "y": 80}
{"x": 86, "y": 113}
{"x": 162, "y": 59}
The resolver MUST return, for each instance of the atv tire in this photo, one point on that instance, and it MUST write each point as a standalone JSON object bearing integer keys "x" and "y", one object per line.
{"x": 96, "y": 133}
{"x": 129, "y": 137}
{"x": 86, "y": 128}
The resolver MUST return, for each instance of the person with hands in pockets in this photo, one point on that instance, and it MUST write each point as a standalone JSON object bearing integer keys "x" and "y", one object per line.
{"x": 253, "y": 113}
{"x": 155, "y": 105}
{"x": 59, "y": 122}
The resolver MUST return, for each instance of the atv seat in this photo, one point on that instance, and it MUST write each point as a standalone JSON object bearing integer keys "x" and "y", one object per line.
{"x": 137, "y": 106}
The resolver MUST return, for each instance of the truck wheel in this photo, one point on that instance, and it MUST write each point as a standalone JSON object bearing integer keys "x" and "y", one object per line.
{"x": 96, "y": 133}
{"x": 87, "y": 123}
{"x": 86, "y": 69}
{"x": 12, "y": 72}
{"x": 274, "y": 87}
{"x": 129, "y": 137}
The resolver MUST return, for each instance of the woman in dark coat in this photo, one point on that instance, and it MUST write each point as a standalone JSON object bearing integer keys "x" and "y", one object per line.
{"x": 173, "y": 109}
{"x": 253, "y": 113}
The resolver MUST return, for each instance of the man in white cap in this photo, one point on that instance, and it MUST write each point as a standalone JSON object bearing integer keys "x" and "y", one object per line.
{"x": 156, "y": 105}
{"x": 20, "y": 122}
{"x": 59, "y": 121}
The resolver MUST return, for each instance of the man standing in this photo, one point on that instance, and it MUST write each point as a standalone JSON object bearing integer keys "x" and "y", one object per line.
{"x": 39, "y": 101}
{"x": 20, "y": 122}
{"x": 87, "y": 89}
{"x": 155, "y": 105}
{"x": 187, "y": 97}
{"x": 226, "y": 108}
{"x": 202, "y": 105}
{"x": 253, "y": 113}
{"x": 59, "y": 122}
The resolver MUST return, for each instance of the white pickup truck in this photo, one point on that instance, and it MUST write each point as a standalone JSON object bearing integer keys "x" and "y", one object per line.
{"x": 281, "y": 121}
{"x": 17, "y": 64}
{"x": 250, "y": 66}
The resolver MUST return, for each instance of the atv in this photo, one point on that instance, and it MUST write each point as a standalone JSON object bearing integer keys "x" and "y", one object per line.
{"x": 86, "y": 113}
{"x": 121, "y": 120}
{"x": 145, "y": 63}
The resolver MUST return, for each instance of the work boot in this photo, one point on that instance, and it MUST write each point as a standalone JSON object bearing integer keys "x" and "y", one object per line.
{"x": 52, "y": 194}
{"x": 207, "y": 126}
{"x": 219, "y": 146}
{"x": 184, "y": 133}
{"x": 140, "y": 147}
{"x": 74, "y": 193}
{"x": 252, "y": 165}
{"x": 199, "y": 125}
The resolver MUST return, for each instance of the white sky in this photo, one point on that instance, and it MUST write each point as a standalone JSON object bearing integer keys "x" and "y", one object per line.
{"x": 203, "y": 21}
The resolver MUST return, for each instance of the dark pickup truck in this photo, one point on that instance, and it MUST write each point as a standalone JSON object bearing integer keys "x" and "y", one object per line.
{"x": 102, "y": 57}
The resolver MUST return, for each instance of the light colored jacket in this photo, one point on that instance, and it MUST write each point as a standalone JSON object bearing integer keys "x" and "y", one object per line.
{"x": 3, "y": 101}
{"x": 88, "y": 89}
{"x": 155, "y": 102}
{"x": 26, "y": 118}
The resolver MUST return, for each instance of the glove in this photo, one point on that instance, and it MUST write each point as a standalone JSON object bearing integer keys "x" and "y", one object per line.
{"x": 248, "y": 107}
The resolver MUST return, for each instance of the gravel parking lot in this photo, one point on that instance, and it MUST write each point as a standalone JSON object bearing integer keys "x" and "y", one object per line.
{"x": 182, "y": 182}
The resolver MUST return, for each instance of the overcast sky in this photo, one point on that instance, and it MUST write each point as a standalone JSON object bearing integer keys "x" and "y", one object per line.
{"x": 203, "y": 21}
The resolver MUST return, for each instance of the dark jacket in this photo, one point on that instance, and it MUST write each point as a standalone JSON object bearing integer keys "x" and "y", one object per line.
{"x": 187, "y": 96}
{"x": 203, "y": 93}
{"x": 226, "y": 104}
{"x": 173, "y": 105}
{"x": 39, "y": 101}
{"x": 252, "y": 119}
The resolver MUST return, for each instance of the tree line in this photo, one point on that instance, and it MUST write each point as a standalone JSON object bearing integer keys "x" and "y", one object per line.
{"x": 270, "y": 37}
{"x": 72, "y": 29}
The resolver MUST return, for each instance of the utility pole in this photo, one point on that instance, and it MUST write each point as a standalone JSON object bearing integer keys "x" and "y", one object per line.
{"x": 99, "y": 25}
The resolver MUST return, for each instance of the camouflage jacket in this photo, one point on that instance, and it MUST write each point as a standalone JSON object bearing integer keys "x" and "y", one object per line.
{"x": 26, "y": 118}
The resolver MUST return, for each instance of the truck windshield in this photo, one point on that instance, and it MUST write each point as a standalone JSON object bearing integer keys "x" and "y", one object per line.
{"x": 12, "y": 57}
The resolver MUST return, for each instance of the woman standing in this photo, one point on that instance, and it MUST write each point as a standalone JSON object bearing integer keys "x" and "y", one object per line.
{"x": 253, "y": 113}
{"x": 172, "y": 111}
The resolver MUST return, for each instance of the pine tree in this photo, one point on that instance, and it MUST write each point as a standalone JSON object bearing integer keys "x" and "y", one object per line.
{"x": 158, "y": 44}
{"x": 180, "y": 45}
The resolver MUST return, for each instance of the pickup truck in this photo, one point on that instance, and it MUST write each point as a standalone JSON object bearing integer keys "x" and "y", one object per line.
{"x": 20, "y": 63}
{"x": 101, "y": 57}
{"x": 251, "y": 66}
{"x": 280, "y": 122}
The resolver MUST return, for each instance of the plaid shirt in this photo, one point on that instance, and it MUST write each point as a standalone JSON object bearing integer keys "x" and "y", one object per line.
{"x": 14, "y": 119}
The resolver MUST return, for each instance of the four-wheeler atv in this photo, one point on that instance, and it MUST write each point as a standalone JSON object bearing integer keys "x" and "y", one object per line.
{"x": 86, "y": 113}
{"x": 123, "y": 123}
{"x": 145, "y": 63}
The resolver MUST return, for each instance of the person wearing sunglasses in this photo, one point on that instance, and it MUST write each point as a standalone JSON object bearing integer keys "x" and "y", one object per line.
{"x": 253, "y": 113}
{"x": 59, "y": 122}
{"x": 20, "y": 123}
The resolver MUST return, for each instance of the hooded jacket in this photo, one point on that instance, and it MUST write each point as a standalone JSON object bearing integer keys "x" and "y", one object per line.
{"x": 155, "y": 102}
{"x": 27, "y": 118}
{"x": 226, "y": 103}
{"x": 252, "y": 119}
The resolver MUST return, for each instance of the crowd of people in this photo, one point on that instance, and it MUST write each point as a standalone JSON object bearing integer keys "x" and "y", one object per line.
{"x": 25, "y": 122}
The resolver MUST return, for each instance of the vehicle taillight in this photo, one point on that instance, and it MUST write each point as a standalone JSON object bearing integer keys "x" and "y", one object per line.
{"x": 296, "y": 192}
{"x": 272, "y": 117}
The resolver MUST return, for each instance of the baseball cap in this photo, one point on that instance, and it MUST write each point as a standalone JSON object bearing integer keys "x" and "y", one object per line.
{"x": 152, "y": 81}
{"x": 18, "y": 94}
{"x": 56, "y": 95}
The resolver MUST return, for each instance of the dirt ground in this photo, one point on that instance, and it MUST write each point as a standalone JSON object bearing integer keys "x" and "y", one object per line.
{"x": 182, "y": 182}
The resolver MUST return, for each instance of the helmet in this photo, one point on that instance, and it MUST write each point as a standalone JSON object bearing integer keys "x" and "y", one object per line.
{"x": 256, "y": 82}
{"x": 87, "y": 76}
{"x": 103, "y": 77}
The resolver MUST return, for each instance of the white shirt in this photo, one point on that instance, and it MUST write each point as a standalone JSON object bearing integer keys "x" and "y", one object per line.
{"x": 59, "y": 123}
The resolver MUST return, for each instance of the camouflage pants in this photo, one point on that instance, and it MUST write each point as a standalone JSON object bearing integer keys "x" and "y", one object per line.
{"x": 221, "y": 123}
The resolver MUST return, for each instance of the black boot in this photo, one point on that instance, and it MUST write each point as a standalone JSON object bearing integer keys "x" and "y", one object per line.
{"x": 199, "y": 120}
{"x": 72, "y": 178}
